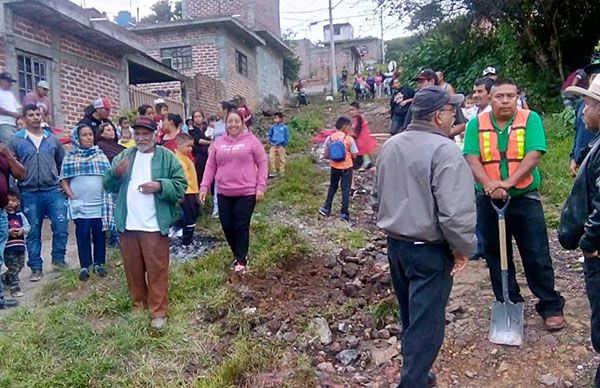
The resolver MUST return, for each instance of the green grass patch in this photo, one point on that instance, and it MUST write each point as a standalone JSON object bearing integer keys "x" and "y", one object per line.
{"x": 383, "y": 309}
{"x": 245, "y": 358}
{"x": 556, "y": 182}
{"x": 272, "y": 245}
{"x": 350, "y": 238}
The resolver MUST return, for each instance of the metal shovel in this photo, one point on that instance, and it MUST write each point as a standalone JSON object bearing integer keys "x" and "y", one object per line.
{"x": 506, "y": 325}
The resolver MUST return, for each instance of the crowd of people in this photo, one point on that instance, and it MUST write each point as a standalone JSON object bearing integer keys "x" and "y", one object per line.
{"x": 436, "y": 222}
{"x": 135, "y": 185}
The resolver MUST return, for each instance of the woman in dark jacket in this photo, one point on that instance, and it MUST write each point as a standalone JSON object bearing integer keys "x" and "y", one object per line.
{"x": 201, "y": 142}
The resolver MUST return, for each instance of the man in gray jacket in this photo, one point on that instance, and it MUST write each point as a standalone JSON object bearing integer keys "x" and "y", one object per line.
{"x": 426, "y": 206}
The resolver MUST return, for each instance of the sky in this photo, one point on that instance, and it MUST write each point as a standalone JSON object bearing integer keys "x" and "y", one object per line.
{"x": 296, "y": 16}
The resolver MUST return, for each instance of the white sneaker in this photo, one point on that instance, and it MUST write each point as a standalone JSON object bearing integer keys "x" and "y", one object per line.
{"x": 172, "y": 232}
{"x": 158, "y": 323}
{"x": 179, "y": 233}
{"x": 215, "y": 215}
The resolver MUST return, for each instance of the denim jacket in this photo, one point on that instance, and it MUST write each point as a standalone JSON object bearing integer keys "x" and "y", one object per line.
{"x": 43, "y": 164}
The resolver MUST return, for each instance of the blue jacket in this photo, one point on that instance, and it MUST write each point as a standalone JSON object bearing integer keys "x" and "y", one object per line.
{"x": 583, "y": 136}
{"x": 279, "y": 135}
{"x": 43, "y": 165}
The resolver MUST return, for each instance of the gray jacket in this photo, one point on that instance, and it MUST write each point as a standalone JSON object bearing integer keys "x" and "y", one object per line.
{"x": 43, "y": 165}
{"x": 424, "y": 190}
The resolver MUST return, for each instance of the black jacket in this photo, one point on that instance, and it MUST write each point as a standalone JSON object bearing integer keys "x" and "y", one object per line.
{"x": 94, "y": 124}
{"x": 580, "y": 216}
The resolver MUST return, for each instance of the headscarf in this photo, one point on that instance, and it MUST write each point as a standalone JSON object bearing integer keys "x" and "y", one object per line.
{"x": 89, "y": 161}
{"x": 83, "y": 161}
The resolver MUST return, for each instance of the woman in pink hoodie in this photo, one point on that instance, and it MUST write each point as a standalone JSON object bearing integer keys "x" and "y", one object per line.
{"x": 238, "y": 163}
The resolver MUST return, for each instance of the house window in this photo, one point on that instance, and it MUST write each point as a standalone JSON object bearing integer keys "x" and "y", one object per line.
{"x": 31, "y": 71}
{"x": 179, "y": 58}
{"x": 336, "y": 29}
{"x": 242, "y": 63}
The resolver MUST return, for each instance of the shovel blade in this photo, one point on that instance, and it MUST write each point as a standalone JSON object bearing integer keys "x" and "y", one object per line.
{"x": 506, "y": 325}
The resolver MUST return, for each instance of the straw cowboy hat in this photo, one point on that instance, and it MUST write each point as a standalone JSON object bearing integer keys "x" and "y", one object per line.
{"x": 593, "y": 91}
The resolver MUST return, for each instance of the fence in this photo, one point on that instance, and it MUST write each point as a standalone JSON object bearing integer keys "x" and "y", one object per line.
{"x": 139, "y": 97}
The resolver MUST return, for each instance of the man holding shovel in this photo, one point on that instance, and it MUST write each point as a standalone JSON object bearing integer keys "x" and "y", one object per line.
{"x": 426, "y": 206}
{"x": 580, "y": 218}
{"x": 503, "y": 148}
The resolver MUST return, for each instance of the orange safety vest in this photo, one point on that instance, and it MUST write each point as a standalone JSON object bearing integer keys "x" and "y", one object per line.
{"x": 490, "y": 155}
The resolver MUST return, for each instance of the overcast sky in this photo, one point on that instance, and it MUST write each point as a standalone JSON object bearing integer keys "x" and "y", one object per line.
{"x": 296, "y": 15}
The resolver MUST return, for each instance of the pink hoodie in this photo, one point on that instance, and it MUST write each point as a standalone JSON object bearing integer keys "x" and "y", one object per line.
{"x": 239, "y": 166}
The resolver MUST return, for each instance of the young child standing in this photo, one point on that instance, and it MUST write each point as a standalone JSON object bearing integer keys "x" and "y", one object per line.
{"x": 14, "y": 252}
{"x": 210, "y": 127}
{"x": 190, "y": 205}
{"x": 279, "y": 137}
{"x": 340, "y": 148}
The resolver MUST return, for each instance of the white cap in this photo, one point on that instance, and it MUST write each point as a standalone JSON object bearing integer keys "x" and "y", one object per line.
{"x": 43, "y": 85}
{"x": 489, "y": 70}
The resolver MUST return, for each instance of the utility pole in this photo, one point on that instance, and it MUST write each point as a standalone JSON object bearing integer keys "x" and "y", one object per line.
{"x": 332, "y": 47}
{"x": 382, "y": 41}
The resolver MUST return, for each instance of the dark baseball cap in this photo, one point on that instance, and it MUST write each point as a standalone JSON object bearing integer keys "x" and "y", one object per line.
{"x": 144, "y": 122}
{"x": 432, "y": 98}
{"x": 426, "y": 74}
{"x": 6, "y": 76}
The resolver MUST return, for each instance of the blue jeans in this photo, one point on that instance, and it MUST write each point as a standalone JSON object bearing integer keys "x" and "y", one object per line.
{"x": 422, "y": 282}
{"x": 3, "y": 240}
{"x": 36, "y": 205}
{"x": 86, "y": 230}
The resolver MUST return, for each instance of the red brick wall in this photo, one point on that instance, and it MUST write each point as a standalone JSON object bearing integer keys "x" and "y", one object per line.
{"x": 205, "y": 57}
{"x": 80, "y": 85}
{"x": 237, "y": 83}
{"x": 205, "y": 93}
{"x": 199, "y": 9}
{"x": 266, "y": 15}
{"x": 31, "y": 31}
{"x": 75, "y": 46}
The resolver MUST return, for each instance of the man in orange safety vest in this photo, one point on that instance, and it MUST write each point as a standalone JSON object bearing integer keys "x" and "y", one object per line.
{"x": 503, "y": 148}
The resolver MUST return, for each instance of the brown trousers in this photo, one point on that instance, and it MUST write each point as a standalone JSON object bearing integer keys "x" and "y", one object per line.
{"x": 277, "y": 154}
{"x": 146, "y": 263}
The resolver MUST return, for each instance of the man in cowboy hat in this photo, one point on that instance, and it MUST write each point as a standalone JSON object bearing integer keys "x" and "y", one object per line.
{"x": 580, "y": 218}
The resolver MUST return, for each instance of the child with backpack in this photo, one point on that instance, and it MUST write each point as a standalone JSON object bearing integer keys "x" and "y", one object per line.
{"x": 340, "y": 148}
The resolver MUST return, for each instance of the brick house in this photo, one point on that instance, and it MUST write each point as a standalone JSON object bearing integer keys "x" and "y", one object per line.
{"x": 80, "y": 53}
{"x": 234, "y": 45}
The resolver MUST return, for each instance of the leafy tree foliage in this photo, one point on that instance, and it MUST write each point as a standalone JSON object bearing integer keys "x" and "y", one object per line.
{"x": 163, "y": 11}
{"x": 291, "y": 67}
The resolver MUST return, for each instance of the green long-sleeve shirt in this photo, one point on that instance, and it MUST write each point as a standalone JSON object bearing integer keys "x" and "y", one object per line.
{"x": 166, "y": 170}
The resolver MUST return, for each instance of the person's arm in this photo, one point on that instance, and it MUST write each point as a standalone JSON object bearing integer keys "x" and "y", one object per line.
{"x": 450, "y": 89}
{"x": 270, "y": 134}
{"x": 26, "y": 226}
{"x": 590, "y": 241}
{"x": 59, "y": 155}
{"x": 8, "y": 113}
{"x": 209, "y": 170}
{"x": 457, "y": 129}
{"x": 286, "y": 136}
{"x": 116, "y": 173}
{"x": 16, "y": 168}
{"x": 529, "y": 162}
{"x": 353, "y": 147}
{"x": 262, "y": 170}
{"x": 452, "y": 188}
{"x": 64, "y": 183}
{"x": 173, "y": 186}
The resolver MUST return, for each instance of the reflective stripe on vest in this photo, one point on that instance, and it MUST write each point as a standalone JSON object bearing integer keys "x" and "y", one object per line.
{"x": 490, "y": 154}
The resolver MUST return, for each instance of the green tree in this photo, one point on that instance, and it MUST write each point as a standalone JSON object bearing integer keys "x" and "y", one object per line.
{"x": 557, "y": 35}
{"x": 291, "y": 67}
{"x": 163, "y": 11}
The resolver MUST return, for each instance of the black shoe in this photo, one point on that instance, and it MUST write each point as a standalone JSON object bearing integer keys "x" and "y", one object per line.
{"x": 431, "y": 379}
{"x": 84, "y": 275}
{"x": 6, "y": 303}
{"x": 100, "y": 271}
{"x": 5, "y": 279}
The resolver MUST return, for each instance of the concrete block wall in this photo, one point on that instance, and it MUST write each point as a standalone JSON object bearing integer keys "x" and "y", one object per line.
{"x": 269, "y": 73}
{"x": 205, "y": 93}
{"x": 236, "y": 83}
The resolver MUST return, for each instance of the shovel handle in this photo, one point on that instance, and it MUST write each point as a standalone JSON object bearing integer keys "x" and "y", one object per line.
{"x": 501, "y": 210}
{"x": 503, "y": 247}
